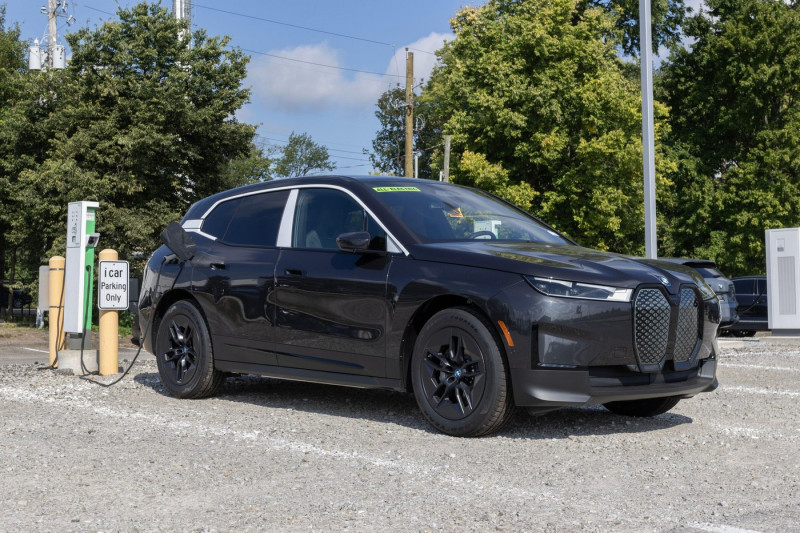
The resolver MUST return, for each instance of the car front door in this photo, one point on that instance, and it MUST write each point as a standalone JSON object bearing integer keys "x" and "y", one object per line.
{"x": 331, "y": 306}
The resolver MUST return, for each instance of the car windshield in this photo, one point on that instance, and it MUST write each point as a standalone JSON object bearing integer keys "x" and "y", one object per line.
{"x": 437, "y": 212}
{"x": 708, "y": 272}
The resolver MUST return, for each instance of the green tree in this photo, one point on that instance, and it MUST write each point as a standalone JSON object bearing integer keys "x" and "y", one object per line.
{"x": 12, "y": 67}
{"x": 140, "y": 121}
{"x": 667, "y": 19}
{"x": 538, "y": 91}
{"x": 388, "y": 147}
{"x": 736, "y": 118}
{"x": 302, "y": 156}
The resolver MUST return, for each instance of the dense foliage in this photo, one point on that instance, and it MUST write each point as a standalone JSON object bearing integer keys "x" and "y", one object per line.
{"x": 736, "y": 123}
{"x": 544, "y": 112}
{"x": 142, "y": 120}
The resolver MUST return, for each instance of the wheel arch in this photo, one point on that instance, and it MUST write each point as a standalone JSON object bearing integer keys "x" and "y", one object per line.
{"x": 166, "y": 301}
{"x": 424, "y": 313}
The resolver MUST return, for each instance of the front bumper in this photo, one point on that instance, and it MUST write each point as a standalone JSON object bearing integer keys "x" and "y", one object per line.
{"x": 547, "y": 389}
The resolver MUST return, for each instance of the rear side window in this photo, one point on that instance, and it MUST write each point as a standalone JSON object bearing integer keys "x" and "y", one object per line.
{"x": 251, "y": 220}
{"x": 216, "y": 223}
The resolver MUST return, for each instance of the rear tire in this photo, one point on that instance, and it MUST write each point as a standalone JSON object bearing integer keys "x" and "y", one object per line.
{"x": 643, "y": 408}
{"x": 459, "y": 376}
{"x": 184, "y": 353}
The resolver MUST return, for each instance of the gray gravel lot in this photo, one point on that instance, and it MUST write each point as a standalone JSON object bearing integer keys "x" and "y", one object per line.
{"x": 269, "y": 455}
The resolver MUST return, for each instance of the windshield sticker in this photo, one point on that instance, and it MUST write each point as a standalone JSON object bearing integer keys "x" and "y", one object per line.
{"x": 455, "y": 213}
{"x": 395, "y": 189}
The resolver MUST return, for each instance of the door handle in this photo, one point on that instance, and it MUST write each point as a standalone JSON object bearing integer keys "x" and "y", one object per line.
{"x": 293, "y": 272}
{"x": 218, "y": 266}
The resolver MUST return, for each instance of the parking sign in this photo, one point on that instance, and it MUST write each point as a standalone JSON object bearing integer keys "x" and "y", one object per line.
{"x": 112, "y": 286}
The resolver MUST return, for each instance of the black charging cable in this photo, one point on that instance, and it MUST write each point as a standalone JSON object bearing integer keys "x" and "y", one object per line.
{"x": 141, "y": 339}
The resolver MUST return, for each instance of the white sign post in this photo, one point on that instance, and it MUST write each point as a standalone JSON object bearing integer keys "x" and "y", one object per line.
{"x": 112, "y": 286}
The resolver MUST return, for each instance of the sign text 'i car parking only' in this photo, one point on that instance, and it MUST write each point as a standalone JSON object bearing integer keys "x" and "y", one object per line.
{"x": 112, "y": 286}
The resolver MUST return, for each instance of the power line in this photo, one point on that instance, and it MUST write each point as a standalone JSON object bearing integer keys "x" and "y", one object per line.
{"x": 318, "y": 64}
{"x": 306, "y": 28}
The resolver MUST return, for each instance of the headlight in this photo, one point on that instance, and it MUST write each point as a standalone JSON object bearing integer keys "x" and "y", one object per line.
{"x": 574, "y": 289}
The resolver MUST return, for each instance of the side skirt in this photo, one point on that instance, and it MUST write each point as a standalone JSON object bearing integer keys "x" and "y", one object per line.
{"x": 312, "y": 376}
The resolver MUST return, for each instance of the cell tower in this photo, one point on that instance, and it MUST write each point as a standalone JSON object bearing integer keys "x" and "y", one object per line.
{"x": 182, "y": 10}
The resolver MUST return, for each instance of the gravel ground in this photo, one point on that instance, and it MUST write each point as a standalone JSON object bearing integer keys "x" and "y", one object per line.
{"x": 269, "y": 455}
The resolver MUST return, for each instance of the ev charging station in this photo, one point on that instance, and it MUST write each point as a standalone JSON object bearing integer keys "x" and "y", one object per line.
{"x": 783, "y": 280}
{"x": 79, "y": 271}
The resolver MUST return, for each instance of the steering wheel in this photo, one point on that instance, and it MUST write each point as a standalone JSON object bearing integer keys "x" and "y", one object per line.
{"x": 484, "y": 233}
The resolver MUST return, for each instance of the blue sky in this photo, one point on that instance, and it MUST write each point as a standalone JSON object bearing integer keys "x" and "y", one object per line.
{"x": 334, "y": 105}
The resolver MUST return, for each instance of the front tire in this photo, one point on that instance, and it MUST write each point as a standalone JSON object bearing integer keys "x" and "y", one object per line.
{"x": 459, "y": 377}
{"x": 643, "y": 408}
{"x": 184, "y": 353}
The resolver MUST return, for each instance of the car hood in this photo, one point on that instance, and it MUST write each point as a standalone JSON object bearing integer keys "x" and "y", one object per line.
{"x": 559, "y": 261}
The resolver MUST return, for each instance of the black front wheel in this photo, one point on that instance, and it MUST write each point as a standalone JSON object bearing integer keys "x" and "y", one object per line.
{"x": 459, "y": 377}
{"x": 184, "y": 353}
{"x": 643, "y": 408}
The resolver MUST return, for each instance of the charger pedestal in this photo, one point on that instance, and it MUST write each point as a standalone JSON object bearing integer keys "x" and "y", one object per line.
{"x": 70, "y": 359}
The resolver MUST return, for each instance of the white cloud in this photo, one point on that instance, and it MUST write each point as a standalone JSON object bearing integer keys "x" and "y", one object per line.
{"x": 300, "y": 86}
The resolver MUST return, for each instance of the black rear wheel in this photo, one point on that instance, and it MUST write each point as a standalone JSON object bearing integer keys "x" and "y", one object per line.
{"x": 459, "y": 377}
{"x": 184, "y": 353}
{"x": 643, "y": 408}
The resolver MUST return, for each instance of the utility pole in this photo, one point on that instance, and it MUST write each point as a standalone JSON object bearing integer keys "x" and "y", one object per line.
{"x": 446, "y": 176}
{"x": 648, "y": 144}
{"x": 52, "y": 32}
{"x": 409, "y": 113}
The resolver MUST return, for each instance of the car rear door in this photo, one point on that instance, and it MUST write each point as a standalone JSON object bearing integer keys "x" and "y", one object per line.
{"x": 234, "y": 275}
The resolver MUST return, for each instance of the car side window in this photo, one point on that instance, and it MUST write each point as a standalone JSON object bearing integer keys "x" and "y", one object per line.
{"x": 762, "y": 286}
{"x": 251, "y": 220}
{"x": 216, "y": 223}
{"x": 743, "y": 286}
{"x": 322, "y": 215}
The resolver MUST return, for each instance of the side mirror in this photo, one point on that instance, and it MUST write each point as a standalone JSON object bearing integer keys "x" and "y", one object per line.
{"x": 178, "y": 241}
{"x": 354, "y": 242}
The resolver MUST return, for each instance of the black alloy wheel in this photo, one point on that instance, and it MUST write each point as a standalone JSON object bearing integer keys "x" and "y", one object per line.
{"x": 459, "y": 377}
{"x": 184, "y": 354}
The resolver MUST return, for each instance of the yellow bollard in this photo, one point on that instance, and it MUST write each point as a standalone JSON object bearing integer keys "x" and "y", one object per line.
{"x": 109, "y": 329}
{"x": 55, "y": 298}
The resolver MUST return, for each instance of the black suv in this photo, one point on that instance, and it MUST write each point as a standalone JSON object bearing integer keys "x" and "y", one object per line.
{"x": 417, "y": 285}
{"x": 751, "y": 293}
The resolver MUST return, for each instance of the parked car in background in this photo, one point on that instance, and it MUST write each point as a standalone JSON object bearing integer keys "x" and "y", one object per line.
{"x": 751, "y": 293}
{"x": 722, "y": 286}
{"x": 415, "y": 285}
{"x": 19, "y": 297}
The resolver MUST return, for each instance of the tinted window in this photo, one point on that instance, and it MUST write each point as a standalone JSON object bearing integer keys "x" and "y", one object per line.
{"x": 708, "y": 272}
{"x": 256, "y": 220}
{"x": 743, "y": 286}
{"x": 324, "y": 214}
{"x": 216, "y": 223}
{"x": 762, "y": 286}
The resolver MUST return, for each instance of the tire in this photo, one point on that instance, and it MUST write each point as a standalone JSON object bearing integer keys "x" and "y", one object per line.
{"x": 643, "y": 408}
{"x": 184, "y": 353}
{"x": 459, "y": 377}
{"x": 17, "y": 302}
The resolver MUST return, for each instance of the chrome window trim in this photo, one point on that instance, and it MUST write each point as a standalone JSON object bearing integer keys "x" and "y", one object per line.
{"x": 393, "y": 245}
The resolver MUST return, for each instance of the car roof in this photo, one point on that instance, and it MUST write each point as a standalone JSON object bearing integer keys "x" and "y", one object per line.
{"x": 201, "y": 206}
{"x": 690, "y": 262}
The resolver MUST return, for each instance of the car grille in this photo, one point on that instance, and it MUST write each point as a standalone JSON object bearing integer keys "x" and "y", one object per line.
{"x": 654, "y": 321}
{"x": 688, "y": 322}
{"x": 651, "y": 324}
